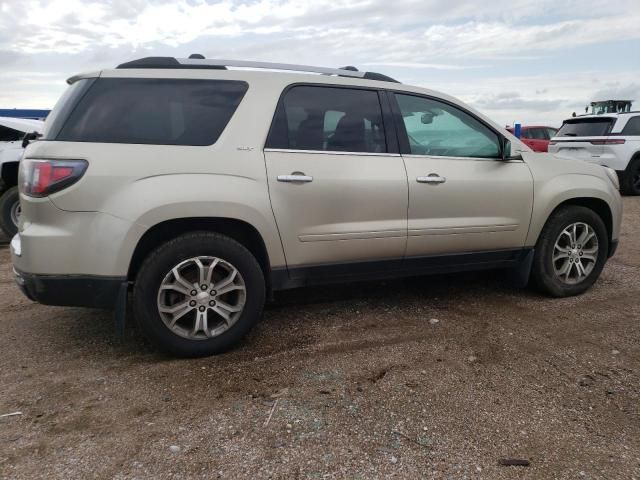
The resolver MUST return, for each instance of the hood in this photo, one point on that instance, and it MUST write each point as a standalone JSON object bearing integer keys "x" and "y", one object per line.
{"x": 22, "y": 124}
{"x": 563, "y": 165}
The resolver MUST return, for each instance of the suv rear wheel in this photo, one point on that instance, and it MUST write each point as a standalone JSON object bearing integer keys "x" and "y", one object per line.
{"x": 10, "y": 211}
{"x": 631, "y": 178}
{"x": 198, "y": 294}
{"x": 571, "y": 252}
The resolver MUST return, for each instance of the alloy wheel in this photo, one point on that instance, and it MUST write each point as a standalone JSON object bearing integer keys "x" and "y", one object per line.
{"x": 15, "y": 213}
{"x": 201, "y": 297}
{"x": 575, "y": 253}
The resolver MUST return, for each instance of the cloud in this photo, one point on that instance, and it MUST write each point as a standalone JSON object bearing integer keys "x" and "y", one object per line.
{"x": 474, "y": 52}
{"x": 618, "y": 91}
{"x": 515, "y": 101}
{"x": 430, "y": 66}
{"x": 413, "y": 32}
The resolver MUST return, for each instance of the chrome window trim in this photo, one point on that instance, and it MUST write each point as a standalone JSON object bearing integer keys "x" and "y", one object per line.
{"x": 481, "y": 159}
{"x": 332, "y": 152}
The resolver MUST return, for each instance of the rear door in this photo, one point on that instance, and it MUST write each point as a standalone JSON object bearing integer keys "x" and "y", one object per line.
{"x": 582, "y": 138}
{"x": 337, "y": 183}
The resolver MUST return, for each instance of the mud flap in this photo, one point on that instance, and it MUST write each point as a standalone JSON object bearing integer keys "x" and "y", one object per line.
{"x": 519, "y": 275}
{"x": 120, "y": 313}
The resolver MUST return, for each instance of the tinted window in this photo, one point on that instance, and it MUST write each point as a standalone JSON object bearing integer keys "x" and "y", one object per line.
{"x": 153, "y": 111}
{"x": 9, "y": 134}
{"x": 526, "y": 133}
{"x": 539, "y": 133}
{"x": 632, "y": 127}
{"x": 552, "y": 132}
{"x": 438, "y": 129}
{"x": 329, "y": 119}
{"x": 585, "y": 127}
{"x": 64, "y": 106}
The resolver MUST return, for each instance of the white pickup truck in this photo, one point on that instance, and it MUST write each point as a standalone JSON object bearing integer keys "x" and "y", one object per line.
{"x": 11, "y": 132}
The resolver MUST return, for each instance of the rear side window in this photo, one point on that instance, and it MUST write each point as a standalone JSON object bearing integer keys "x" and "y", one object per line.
{"x": 632, "y": 127}
{"x": 153, "y": 111}
{"x": 586, "y": 127}
{"x": 328, "y": 119}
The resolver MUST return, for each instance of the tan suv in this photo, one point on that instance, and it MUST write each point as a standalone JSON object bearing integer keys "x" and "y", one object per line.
{"x": 197, "y": 186}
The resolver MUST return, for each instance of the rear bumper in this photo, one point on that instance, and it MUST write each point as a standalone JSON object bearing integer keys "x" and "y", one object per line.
{"x": 71, "y": 290}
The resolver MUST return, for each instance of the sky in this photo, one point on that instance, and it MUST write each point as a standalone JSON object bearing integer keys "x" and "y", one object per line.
{"x": 532, "y": 62}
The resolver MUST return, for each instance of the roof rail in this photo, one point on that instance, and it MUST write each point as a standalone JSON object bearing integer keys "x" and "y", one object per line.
{"x": 196, "y": 62}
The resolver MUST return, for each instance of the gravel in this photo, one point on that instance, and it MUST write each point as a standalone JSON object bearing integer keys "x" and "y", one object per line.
{"x": 357, "y": 379}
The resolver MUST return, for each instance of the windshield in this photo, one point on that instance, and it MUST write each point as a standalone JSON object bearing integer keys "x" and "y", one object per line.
{"x": 586, "y": 127}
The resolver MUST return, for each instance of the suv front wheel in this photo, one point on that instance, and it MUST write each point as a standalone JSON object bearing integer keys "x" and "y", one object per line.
{"x": 571, "y": 252}
{"x": 198, "y": 294}
{"x": 630, "y": 178}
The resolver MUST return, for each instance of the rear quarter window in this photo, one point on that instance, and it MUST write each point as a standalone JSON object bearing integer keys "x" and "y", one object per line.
{"x": 632, "y": 128}
{"x": 153, "y": 111}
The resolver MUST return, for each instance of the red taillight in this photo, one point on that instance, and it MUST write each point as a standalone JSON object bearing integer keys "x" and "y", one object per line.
{"x": 39, "y": 178}
{"x": 609, "y": 141}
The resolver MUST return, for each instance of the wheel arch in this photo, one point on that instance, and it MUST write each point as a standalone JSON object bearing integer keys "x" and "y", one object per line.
{"x": 239, "y": 230}
{"x": 597, "y": 205}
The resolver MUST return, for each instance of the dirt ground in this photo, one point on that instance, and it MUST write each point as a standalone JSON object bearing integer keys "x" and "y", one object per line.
{"x": 437, "y": 377}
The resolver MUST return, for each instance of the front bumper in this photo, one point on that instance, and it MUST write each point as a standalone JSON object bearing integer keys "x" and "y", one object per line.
{"x": 71, "y": 290}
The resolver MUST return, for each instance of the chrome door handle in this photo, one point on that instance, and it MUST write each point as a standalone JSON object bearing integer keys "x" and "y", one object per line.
{"x": 433, "y": 178}
{"x": 295, "y": 177}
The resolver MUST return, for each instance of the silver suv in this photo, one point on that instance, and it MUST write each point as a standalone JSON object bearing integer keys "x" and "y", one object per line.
{"x": 196, "y": 187}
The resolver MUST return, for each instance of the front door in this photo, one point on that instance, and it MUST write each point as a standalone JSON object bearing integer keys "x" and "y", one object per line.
{"x": 338, "y": 194}
{"x": 463, "y": 198}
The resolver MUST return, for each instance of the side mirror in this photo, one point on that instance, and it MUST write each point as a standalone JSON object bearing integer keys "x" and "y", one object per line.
{"x": 506, "y": 152}
{"x": 28, "y": 137}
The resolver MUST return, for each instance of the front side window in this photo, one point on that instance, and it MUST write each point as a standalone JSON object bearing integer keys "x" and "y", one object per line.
{"x": 329, "y": 119}
{"x": 438, "y": 129}
{"x": 153, "y": 111}
{"x": 551, "y": 132}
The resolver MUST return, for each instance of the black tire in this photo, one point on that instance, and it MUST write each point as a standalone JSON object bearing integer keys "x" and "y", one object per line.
{"x": 8, "y": 202}
{"x": 630, "y": 178}
{"x": 543, "y": 272}
{"x": 167, "y": 256}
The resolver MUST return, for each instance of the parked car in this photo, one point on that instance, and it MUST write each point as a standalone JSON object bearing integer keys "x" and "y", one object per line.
{"x": 611, "y": 140}
{"x": 199, "y": 189}
{"x": 536, "y": 137}
{"x": 11, "y": 132}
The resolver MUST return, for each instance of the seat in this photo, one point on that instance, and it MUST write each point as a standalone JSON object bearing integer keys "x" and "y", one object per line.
{"x": 349, "y": 135}
{"x": 309, "y": 134}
